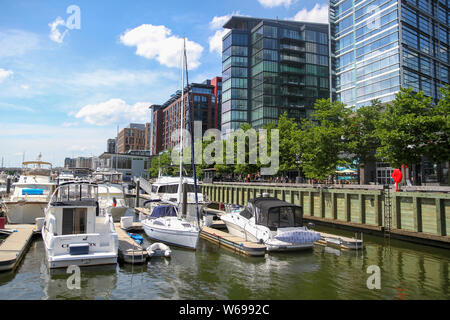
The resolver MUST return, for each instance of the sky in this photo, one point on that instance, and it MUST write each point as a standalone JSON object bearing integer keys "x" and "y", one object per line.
{"x": 72, "y": 72}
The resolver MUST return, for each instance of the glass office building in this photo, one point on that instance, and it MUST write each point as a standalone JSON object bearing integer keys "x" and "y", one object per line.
{"x": 381, "y": 45}
{"x": 271, "y": 67}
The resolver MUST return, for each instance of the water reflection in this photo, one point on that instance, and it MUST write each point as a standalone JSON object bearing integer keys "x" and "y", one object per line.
{"x": 408, "y": 271}
{"x": 97, "y": 282}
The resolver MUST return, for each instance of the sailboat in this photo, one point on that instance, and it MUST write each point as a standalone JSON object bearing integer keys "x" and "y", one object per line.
{"x": 167, "y": 222}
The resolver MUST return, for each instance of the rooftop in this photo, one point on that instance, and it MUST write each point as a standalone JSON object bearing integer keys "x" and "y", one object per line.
{"x": 235, "y": 22}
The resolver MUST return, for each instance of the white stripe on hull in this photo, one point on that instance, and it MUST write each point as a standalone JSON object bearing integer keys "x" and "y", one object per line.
{"x": 82, "y": 262}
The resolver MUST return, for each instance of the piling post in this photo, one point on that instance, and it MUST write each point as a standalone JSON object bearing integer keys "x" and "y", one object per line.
{"x": 184, "y": 206}
{"x": 138, "y": 188}
{"x": 8, "y": 185}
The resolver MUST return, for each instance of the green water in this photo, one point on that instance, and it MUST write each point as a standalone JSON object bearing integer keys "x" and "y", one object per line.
{"x": 408, "y": 271}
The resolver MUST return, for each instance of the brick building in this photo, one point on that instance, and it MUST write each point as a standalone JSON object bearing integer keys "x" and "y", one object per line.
{"x": 206, "y": 101}
{"x": 133, "y": 137}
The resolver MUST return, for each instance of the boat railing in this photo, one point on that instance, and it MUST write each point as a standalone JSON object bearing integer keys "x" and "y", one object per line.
{"x": 75, "y": 191}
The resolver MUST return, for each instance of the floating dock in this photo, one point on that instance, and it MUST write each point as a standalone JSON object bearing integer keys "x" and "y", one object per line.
{"x": 236, "y": 244}
{"x": 13, "y": 248}
{"x": 340, "y": 241}
{"x": 129, "y": 250}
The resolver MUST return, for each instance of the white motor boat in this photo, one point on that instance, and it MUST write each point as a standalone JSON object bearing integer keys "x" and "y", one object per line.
{"x": 76, "y": 231}
{"x": 31, "y": 193}
{"x": 273, "y": 222}
{"x": 165, "y": 189}
{"x": 111, "y": 194}
{"x": 165, "y": 226}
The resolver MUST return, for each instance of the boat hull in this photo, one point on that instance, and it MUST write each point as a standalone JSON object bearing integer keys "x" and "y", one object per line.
{"x": 271, "y": 245}
{"x": 117, "y": 212}
{"x": 288, "y": 247}
{"x": 24, "y": 212}
{"x": 81, "y": 260}
{"x": 179, "y": 238}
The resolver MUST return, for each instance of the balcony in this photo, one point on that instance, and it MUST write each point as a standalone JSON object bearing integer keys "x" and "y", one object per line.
{"x": 292, "y": 48}
{"x": 290, "y": 93}
{"x": 292, "y": 59}
{"x": 292, "y": 83}
{"x": 292, "y": 105}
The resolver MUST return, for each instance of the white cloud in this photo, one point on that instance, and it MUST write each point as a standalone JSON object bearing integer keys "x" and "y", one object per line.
{"x": 5, "y": 74}
{"x": 317, "y": 14}
{"x": 217, "y": 22}
{"x": 119, "y": 77}
{"x": 114, "y": 111}
{"x": 55, "y": 35}
{"x": 275, "y": 3}
{"x": 10, "y": 106}
{"x": 157, "y": 42}
{"x": 14, "y": 43}
{"x": 215, "y": 41}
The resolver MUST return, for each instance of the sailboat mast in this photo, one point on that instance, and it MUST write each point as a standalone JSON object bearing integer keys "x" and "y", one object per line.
{"x": 180, "y": 186}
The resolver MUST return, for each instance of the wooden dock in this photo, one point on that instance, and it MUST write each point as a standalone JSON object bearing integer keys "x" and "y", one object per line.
{"x": 236, "y": 244}
{"x": 144, "y": 211}
{"x": 13, "y": 248}
{"x": 129, "y": 250}
{"x": 340, "y": 241}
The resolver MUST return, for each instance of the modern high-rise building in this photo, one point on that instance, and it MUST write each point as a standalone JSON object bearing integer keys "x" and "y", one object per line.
{"x": 205, "y": 99}
{"x": 111, "y": 146}
{"x": 381, "y": 45}
{"x": 271, "y": 67}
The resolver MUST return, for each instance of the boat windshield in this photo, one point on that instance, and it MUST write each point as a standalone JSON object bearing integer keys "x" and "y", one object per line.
{"x": 112, "y": 178}
{"x": 173, "y": 188}
{"x": 274, "y": 213}
{"x": 76, "y": 192}
{"x": 283, "y": 217}
{"x": 163, "y": 211}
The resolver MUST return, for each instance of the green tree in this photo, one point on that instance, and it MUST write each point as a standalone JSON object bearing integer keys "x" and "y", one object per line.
{"x": 161, "y": 162}
{"x": 290, "y": 148}
{"x": 405, "y": 127}
{"x": 361, "y": 139}
{"x": 246, "y": 168}
{"x": 321, "y": 139}
{"x": 438, "y": 138}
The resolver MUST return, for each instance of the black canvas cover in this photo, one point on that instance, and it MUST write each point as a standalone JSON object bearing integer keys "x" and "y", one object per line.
{"x": 275, "y": 213}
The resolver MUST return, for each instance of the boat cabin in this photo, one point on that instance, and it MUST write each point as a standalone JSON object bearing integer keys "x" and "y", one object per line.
{"x": 108, "y": 177}
{"x": 74, "y": 209}
{"x": 273, "y": 213}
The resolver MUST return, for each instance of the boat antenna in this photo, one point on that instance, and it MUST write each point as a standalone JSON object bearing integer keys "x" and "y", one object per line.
{"x": 191, "y": 131}
{"x": 180, "y": 186}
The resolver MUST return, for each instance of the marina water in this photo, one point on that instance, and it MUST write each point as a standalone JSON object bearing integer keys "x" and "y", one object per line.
{"x": 408, "y": 271}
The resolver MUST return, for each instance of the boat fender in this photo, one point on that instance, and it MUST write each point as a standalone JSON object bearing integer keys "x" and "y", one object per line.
{"x": 261, "y": 241}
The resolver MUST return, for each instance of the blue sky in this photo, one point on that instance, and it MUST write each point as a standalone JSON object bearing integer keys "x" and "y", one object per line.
{"x": 64, "y": 90}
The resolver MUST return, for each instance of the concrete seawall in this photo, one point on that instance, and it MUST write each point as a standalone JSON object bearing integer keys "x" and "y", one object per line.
{"x": 418, "y": 216}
